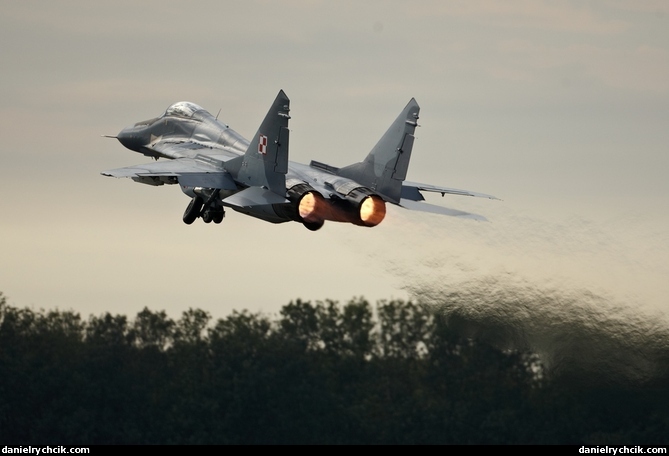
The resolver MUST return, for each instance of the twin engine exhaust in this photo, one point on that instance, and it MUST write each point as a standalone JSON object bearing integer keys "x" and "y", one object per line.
{"x": 357, "y": 205}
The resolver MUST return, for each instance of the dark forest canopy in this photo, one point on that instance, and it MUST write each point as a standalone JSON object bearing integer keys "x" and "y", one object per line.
{"x": 393, "y": 373}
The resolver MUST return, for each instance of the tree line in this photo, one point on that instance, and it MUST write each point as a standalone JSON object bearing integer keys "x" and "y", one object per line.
{"x": 316, "y": 373}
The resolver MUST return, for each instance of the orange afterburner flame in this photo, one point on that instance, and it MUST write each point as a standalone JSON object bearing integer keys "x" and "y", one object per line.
{"x": 313, "y": 208}
{"x": 310, "y": 208}
{"x": 372, "y": 210}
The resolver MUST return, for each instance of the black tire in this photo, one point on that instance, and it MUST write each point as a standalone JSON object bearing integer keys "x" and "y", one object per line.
{"x": 193, "y": 210}
{"x": 208, "y": 216}
{"x": 218, "y": 215}
{"x": 314, "y": 226}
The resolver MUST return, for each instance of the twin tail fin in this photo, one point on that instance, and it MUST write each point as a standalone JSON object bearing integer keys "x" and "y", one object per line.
{"x": 265, "y": 162}
{"x": 385, "y": 167}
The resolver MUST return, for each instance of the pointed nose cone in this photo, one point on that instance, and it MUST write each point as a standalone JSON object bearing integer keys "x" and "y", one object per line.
{"x": 124, "y": 137}
{"x": 130, "y": 138}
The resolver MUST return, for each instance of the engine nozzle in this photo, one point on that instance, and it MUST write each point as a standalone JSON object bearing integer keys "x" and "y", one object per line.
{"x": 372, "y": 210}
{"x": 360, "y": 206}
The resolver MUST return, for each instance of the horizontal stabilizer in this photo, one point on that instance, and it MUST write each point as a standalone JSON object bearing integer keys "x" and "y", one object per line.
{"x": 431, "y": 208}
{"x": 411, "y": 190}
{"x": 254, "y": 196}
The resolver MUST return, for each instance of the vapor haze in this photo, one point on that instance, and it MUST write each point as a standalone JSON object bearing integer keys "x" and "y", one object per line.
{"x": 589, "y": 297}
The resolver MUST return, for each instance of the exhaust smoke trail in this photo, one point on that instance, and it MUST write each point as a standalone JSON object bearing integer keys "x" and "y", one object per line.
{"x": 576, "y": 333}
{"x": 590, "y": 298}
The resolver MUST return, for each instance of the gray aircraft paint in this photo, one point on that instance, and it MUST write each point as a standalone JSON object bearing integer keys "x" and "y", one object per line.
{"x": 217, "y": 167}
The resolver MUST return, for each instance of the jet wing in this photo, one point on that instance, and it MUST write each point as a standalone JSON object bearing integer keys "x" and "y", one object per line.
{"x": 190, "y": 172}
{"x": 411, "y": 191}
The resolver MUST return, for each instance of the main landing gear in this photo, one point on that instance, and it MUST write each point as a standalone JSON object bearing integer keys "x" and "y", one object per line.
{"x": 210, "y": 212}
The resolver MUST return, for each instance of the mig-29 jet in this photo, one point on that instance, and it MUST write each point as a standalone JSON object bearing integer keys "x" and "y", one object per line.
{"x": 218, "y": 168}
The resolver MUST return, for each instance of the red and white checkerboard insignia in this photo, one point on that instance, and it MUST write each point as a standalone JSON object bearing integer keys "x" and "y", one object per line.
{"x": 262, "y": 145}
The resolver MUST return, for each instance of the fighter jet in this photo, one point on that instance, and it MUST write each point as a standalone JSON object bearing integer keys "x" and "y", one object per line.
{"x": 218, "y": 169}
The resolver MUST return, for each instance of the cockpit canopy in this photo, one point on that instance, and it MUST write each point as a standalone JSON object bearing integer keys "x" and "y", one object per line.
{"x": 183, "y": 109}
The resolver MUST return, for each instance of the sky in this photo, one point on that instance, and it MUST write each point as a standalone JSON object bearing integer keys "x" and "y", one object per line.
{"x": 559, "y": 108}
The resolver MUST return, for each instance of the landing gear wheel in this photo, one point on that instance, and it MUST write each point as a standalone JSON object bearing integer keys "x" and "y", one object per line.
{"x": 193, "y": 210}
{"x": 218, "y": 215}
{"x": 313, "y": 226}
{"x": 208, "y": 216}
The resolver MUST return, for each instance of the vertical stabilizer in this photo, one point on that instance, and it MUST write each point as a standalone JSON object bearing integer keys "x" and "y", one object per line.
{"x": 386, "y": 166}
{"x": 265, "y": 162}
